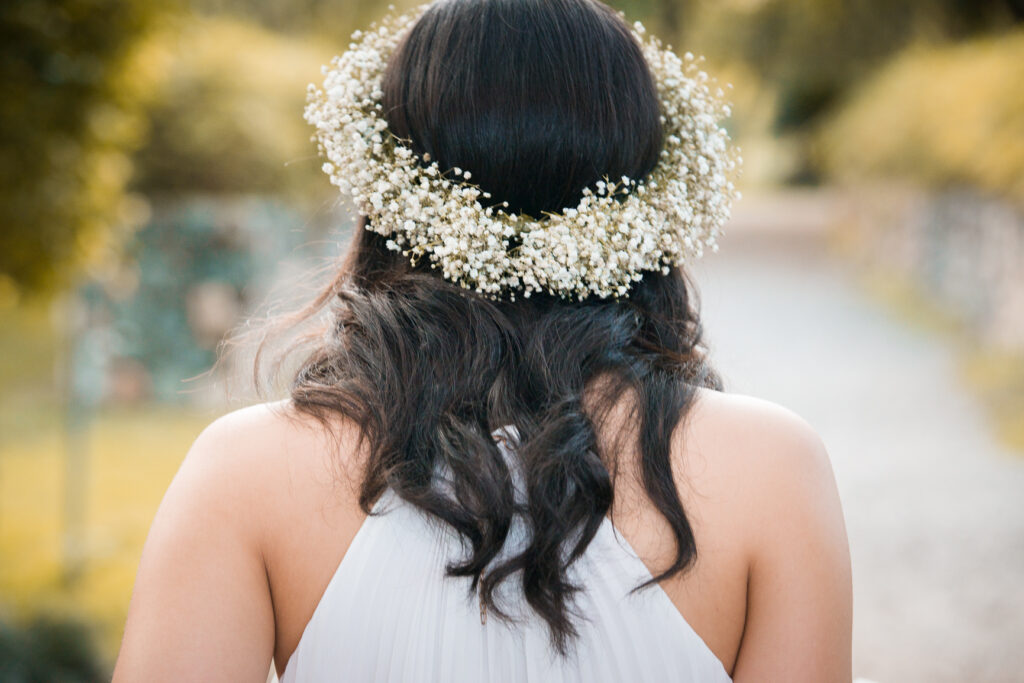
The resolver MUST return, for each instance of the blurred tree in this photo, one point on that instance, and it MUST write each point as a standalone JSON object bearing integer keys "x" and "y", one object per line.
{"x": 75, "y": 78}
{"x": 810, "y": 53}
{"x": 331, "y": 18}
{"x": 815, "y": 49}
{"x": 49, "y": 649}
{"x": 196, "y": 266}
{"x": 670, "y": 18}
{"x": 334, "y": 18}
{"x": 941, "y": 116}
{"x": 228, "y": 115}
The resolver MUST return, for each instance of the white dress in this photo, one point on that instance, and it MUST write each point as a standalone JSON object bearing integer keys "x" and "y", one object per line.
{"x": 390, "y": 614}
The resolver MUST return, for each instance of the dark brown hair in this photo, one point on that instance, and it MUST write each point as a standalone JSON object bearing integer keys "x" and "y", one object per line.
{"x": 539, "y": 99}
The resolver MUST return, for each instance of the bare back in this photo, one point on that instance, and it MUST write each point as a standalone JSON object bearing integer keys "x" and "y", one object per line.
{"x": 771, "y": 575}
{"x": 712, "y": 595}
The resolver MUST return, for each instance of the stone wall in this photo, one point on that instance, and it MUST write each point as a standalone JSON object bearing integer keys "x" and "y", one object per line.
{"x": 961, "y": 250}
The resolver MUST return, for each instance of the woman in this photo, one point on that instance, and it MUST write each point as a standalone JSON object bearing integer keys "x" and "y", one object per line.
{"x": 516, "y": 391}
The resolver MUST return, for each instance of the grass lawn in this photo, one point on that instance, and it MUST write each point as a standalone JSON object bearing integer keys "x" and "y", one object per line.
{"x": 132, "y": 456}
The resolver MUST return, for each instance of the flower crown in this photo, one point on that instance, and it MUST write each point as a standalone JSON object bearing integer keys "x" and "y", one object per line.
{"x": 620, "y": 228}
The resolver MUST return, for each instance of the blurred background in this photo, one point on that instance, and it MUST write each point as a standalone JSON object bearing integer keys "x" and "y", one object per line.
{"x": 158, "y": 187}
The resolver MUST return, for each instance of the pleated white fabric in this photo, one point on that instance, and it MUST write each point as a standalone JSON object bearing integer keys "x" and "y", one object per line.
{"x": 390, "y": 615}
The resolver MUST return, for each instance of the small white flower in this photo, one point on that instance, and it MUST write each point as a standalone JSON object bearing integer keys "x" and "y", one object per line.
{"x": 618, "y": 230}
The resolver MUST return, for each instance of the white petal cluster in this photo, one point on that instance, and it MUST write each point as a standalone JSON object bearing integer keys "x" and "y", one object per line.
{"x": 619, "y": 229}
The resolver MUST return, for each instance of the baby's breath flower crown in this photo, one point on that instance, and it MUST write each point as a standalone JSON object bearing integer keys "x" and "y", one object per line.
{"x": 620, "y": 228}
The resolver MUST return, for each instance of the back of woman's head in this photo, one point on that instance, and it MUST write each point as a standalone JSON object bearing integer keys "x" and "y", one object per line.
{"x": 539, "y": 99}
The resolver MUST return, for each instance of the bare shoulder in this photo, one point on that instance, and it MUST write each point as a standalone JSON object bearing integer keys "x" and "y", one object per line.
{"x": 270, "y": 443}
{"x": 202, "y": 605}
{"x": 761, "y": 461}
{"x": 751, "y": 417}
{"x": 261, "y": 432}
{"x": 754, "y": 438}
{"x": 270, "y": 453}
{"x": 769, "y": 478}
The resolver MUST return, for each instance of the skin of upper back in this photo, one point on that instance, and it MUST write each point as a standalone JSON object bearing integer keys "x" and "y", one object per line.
{"x": 264, "y": 507}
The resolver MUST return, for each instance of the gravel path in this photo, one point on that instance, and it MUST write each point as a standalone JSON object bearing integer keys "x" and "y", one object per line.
{"x": 934, "y": 506}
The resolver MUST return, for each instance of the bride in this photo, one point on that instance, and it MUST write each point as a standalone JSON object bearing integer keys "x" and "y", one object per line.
{"x": 506, "y": 457}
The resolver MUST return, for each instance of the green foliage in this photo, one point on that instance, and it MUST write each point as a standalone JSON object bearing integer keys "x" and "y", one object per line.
{"x": 228, "y": 116}
{"x": 669, "y": 18}
{"x": 49, "y": 649}
{"x": 938, "y": 116}
{"x": 80, "y": 75}
{"x": 187, "y": 246}
{"x": 334, "y": 19}
{"x": 813, "y": 50}
{"x": 75, "y": 81}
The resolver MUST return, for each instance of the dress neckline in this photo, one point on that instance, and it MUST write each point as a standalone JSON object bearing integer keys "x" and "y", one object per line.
{"x": 507, "y": 437}
{"x": 390, "y": 497}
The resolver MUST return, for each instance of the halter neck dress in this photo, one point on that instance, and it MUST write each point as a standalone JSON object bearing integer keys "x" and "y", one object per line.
{"x": 391, "y": 615}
